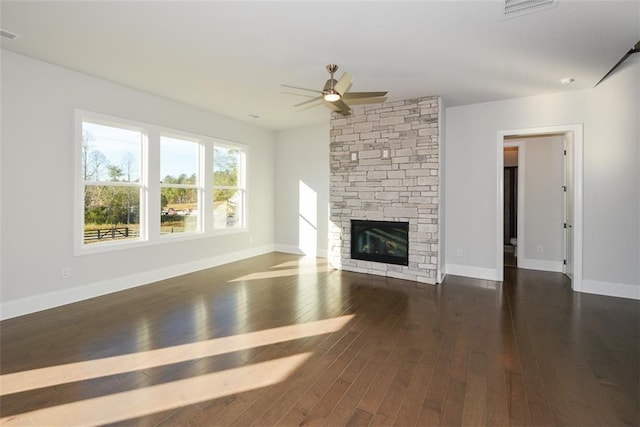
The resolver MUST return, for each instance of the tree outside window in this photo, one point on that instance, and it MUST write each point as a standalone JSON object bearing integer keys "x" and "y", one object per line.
{"x": 179, "y": 189}
{"x": 228, "y": 187}
{"x": 111, "y": 179}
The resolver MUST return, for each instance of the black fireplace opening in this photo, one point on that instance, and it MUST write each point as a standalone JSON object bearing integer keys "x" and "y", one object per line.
{"x": 380, "y": 241}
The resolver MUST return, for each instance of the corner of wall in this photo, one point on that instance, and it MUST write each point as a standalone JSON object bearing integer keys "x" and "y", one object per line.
{"x": 441, "y": 273}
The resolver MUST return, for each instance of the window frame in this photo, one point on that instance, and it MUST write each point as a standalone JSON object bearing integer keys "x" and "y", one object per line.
{"x": 150, "y": 186}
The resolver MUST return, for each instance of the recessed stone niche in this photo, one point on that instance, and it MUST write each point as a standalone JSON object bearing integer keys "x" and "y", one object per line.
{"x": 385, "y": 167}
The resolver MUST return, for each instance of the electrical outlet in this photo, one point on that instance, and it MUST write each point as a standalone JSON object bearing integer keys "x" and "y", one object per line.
{"x": 458, "y": 252}
{"x": 354, "y": 157}
{"x": 540, "y": 249}
{"x": 65, "y": 272}
{"x": 385, "y": 153}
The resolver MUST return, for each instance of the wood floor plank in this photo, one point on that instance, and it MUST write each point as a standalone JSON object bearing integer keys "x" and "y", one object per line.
{"x": 395, "y": 394}
{"x": 432, "y": 407}
{"x": 360, "y": 418}
{"x": 454, "y": 403}
{"x": 415, "y": 394}
{"x": 314, "y": 394}
{"x": 475, "y": 400}
{"x": 498, "y": 404}
{"x": 373, "y": 397}
{"x": 346, "y": 408}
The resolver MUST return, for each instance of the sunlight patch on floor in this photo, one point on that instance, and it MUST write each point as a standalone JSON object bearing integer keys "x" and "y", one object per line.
{"x": 283, "y": 273}
{"x": 140, "y": 402}
{"x": 303, "y": 261}
{"x": 85, "y": 370}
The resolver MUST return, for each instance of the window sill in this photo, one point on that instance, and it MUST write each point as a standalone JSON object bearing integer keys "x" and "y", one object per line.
{"x": 98, "y": 248}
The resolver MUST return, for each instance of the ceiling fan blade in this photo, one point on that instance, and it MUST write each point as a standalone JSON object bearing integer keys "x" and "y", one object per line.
{"x": 340, "y": 107}
{"x": 344, "y": 83}
{"x": 309, "y": 101}
{"x": 358, "y": 95}
{"x": 362, "y": 101}
{"x": 302, "y": 88}
{"x": 635, "y": 49}
{"x": 331, "y": 105}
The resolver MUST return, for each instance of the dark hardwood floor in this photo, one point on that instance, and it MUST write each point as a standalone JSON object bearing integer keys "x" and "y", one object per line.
{"x": 283, "y": 340}
{"x": 510, "y": 259}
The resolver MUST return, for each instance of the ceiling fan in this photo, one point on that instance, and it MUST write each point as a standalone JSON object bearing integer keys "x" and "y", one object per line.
{"x": 336, "y": 93}
{"x": 634, "y": 49}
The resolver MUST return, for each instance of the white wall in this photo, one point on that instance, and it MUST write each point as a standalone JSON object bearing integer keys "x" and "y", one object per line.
{"x": 38, "y": 102}
{"x": 609, "y": 114}
{"x": 302, "y": 190}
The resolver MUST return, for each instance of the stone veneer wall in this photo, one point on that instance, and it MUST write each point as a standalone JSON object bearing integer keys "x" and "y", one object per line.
{"x": 401, "y": 187}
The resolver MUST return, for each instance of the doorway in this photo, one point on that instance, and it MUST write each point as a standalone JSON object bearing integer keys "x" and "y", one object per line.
{"x": 510, "y": 211}
{"x": 572, "y": 183}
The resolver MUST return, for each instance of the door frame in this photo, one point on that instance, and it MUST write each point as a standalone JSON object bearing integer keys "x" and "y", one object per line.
{"x": 576, "y": 129}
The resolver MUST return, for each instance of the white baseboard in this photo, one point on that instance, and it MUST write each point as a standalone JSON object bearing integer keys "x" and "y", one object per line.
{"x": 55, "y": 299}
{"x": 538, "y": 264}
{"x": 290, "y": 249}
{"x": 620, "y": 290}
{"x": 470, "y": 271}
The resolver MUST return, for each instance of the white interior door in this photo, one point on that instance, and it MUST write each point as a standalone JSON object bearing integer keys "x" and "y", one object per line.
{"x": 569, "y": 193}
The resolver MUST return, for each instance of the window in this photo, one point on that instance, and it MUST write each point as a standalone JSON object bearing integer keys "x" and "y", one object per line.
{"x": 139, "y": 184}
{"x": 228, "y": 187}
{"x": 111, "y": 181}
{"x": 179, "y": 185}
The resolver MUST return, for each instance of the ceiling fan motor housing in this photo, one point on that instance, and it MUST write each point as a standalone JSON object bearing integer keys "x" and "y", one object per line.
{"x": 329, "y": 85}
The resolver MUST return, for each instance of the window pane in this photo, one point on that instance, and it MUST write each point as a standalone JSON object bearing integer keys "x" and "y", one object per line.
{"x": 179, "y": 210}
{"x": 227, "y": 208}
{"x": 228, "y": 194}
{"x": 178, "y": 161}
{"x": 111, "y": 213}
{"x": 226, "y": 166}
{"x": 110, "y": 153}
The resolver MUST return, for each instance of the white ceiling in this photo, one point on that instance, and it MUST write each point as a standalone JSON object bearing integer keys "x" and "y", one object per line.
{"x": 231, "y": 57}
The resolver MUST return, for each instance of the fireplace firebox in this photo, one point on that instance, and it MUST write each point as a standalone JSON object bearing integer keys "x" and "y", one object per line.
{"x": 380, "y": 241}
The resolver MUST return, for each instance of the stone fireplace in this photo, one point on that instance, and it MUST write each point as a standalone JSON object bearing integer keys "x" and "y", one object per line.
{"x": 384, "y": 164}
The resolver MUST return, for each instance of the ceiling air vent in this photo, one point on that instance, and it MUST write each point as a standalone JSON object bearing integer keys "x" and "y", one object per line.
{"x": 513, "y": 8}
{"x": 8, "y": 35}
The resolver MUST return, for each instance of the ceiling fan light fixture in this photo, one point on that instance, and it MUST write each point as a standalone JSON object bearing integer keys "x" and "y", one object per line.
{"x": 331, "y": 95}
